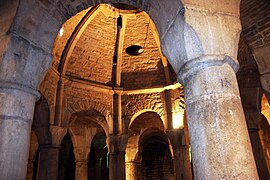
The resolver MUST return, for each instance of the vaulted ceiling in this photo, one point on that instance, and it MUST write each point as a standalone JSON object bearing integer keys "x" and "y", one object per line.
{"x": 87, "y": 43}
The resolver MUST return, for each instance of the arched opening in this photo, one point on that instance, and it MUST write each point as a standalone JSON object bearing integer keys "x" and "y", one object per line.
{"x": 89, "y": 132}
{"x": 67, "y": 165}
{"x": 148, "y": 155}
{"x": 35, "y": 31}
{"x": 157, "y": 162}
{"x": 98, "y": 168}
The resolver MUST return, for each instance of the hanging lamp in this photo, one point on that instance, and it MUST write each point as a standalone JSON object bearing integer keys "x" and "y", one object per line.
{"x": 135, "y": 50}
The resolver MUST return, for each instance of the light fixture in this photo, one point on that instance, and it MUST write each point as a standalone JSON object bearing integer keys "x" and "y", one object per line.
{"x": 178, "y": 120}
{"x": 61, "y": 32}
{"x": 134, "y": 50}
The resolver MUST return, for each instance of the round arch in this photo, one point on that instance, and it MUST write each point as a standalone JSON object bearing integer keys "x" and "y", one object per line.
{"x": 139, "y": 113}
{"x": 98, "y": 118}
{"x": 136, "y": 130}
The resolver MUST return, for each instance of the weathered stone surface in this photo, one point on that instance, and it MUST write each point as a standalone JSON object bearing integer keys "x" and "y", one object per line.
{"x": 32, "y": 155}
{"x": 133, "y": 104}
{"x": 188, "y": 31}
{"x": 23, "y": 63}
{"x": 218, "y": 132}
{"x": 131, "y": 170}
{"x": 16, "y": 113}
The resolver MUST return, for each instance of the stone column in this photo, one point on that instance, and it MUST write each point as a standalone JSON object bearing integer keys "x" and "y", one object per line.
{"x": 81, "y": 170}
{"x": 182, "y": 166}
{"x": 81, "y": 157}
{"x": 16, "y": 114}
{"x": 218, "y": 132}
{"x": 48, "y": 162}
{"x": 131, "y": 170}
{"x": 181, "y": 158}
{"x": 117, "y": 165}
{"x": 32, "y": 156}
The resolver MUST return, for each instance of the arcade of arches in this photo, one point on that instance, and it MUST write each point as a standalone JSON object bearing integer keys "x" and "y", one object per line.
{"x": 192, "y": 104}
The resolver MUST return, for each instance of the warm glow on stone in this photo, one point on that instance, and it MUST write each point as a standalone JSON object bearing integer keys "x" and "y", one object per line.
{"x": 265, "y": 108}
{"x": 178, "y": 120}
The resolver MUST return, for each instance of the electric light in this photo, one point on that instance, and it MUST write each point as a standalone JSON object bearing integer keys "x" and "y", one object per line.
{"x": 61, "y": 32}
{"x": 134, "y": 50}
{"x": 178, "y": 120}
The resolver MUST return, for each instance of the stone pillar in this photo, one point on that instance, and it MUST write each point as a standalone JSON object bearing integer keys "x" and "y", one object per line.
{"x": 81, "y": 157}
{"x": 32, "y": 156}
{"x": 16, "y": 114}
{"x": 131, "y": 170}
{"x": 81, "y": 170}
{"x": 181, "y": 158}
{"x": 182, "y": 166}
{"x": 48, "y": 162}
{"x": 117, "y": 165}
{"x": 218, "y": 132}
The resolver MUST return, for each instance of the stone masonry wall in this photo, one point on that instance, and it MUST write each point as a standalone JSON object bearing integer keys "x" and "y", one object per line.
{"x": 255, "y": 18}
{"x": 93, "y": 54}
{"x": 133, "y": 104}
{"x": 61, "y": 41}
{"x": 81, "y": 99}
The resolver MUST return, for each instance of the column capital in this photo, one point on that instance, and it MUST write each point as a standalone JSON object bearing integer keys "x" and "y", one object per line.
{"x": 195, "y": 65}
{"x": 118, "y": 142}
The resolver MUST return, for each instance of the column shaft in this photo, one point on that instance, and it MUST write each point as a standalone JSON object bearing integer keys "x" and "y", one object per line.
{"x": 218, "y": 132}
{"x": 131, "y": 171}
{"x": 16, "y": 115}
{"x": 48, "y": 162}
{"x": 182, "y": 166}
{"x": 117, "y": 166}
{"x": 81, "y": 170}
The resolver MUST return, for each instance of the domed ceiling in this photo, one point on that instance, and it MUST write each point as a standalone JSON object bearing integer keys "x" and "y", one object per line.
{"x": 86, "y": 44}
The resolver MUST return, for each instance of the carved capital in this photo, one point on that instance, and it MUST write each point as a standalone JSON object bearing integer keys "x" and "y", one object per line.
{"x": 118, "y": 143}
{"x": 57, "y": 134}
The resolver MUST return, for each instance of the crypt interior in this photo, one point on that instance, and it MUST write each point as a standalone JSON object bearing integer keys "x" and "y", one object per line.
{"x": 134, "y": 90}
